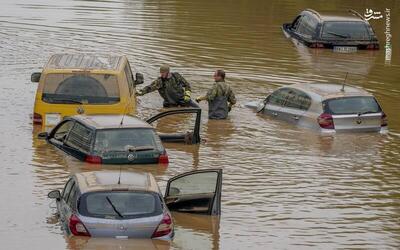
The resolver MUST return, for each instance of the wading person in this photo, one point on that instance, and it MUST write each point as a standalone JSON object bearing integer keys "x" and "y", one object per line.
{"x": 220, "y": 97}
{"x": 172, "y": 87}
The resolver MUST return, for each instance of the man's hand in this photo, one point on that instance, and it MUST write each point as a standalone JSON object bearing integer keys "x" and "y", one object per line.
{"x": 139, "y": 93}
{"x": 186, "y": 98}
{"x": 198, "y": 99}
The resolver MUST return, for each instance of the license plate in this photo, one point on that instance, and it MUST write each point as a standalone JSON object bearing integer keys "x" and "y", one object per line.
{"x": 344, "y": 49}
{"x": 52, "y": 119}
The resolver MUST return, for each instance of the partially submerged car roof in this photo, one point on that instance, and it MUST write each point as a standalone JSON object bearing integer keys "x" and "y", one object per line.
{"x": 108, "y": 181}
{"x": 350, "y": 15}
{"x": 111, "y": 121}
{"x": 331, "y": 90}
{"x": 84, "y": 62}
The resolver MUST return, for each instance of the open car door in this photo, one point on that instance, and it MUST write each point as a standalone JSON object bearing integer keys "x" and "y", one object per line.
{"x": 190, "y": 137}
{"x": 195, "y": 192}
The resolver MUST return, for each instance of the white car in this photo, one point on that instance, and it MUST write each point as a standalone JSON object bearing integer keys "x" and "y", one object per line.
{"x": 325, "y": 107}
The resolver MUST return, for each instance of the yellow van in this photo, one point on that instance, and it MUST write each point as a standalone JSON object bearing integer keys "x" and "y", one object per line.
{"x": 73, "y": 84}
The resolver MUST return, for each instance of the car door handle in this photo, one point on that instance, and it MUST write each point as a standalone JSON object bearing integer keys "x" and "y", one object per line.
{"x": 296, "y": 117}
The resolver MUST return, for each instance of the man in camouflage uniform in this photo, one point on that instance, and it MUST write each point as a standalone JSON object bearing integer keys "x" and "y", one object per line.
{"x": 172, "y": 87}
{"x": 220, "y": 97}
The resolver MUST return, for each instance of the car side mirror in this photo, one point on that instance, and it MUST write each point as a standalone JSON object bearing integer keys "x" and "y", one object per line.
{"x": 35, "y": 77}
{"x": 55, "y": 194}
{"x": 174, "y": 191}
{"x": 43, "y": 135}
{"x": 139, "y": 78}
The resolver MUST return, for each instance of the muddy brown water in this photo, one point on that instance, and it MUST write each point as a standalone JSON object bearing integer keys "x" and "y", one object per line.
{"x": 283, "y": 186}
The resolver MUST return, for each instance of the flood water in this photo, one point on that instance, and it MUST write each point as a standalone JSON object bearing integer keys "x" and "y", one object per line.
{"x": 283, "y": 186}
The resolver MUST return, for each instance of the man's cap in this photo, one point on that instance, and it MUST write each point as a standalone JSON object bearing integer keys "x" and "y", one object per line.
{"x": 164, "y": 68}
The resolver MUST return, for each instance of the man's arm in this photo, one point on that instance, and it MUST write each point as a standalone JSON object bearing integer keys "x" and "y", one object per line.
{"x": 185, "y": 84}
{"x": 155, "y": 85}
{"x": 231, "y": 98}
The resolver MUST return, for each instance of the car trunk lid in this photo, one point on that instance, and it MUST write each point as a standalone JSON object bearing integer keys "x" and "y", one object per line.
{"x": 121, "y": 228}
{"x": 366, "y": 122}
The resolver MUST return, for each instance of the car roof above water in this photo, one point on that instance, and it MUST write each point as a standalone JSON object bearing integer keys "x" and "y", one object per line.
{"x": 84, "y": 62}
{"x": 112, "y": 121}
{"x": 108, "y": 181}
{"x": 330, "y": 90}
{"x": 341, "y": 16}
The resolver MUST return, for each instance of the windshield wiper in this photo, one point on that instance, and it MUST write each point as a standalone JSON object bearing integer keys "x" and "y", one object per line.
{"x": 339, "y": 35}
{"x": 141, "y": 148}
{"x": 114, "y": 208}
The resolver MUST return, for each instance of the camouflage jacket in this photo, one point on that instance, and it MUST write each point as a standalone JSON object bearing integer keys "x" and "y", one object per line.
{"x": 221, "y": 89}
{"x": 172, "y": 89}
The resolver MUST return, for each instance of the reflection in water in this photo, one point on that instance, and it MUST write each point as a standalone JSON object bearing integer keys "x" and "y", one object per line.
{"x": 105, "y": 243}
{"x": 283, "y": 186}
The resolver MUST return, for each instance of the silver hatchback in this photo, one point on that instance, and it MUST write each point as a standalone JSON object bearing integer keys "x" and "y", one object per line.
{"x": 130, "y": 204}
{"x": 325, "y": 107}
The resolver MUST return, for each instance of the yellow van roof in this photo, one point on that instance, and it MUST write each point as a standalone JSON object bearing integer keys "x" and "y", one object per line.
{"x": 84, "y": 62}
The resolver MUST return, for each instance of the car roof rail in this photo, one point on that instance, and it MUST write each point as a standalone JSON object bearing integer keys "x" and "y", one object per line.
{"x": 356, "y": 13}
{"x": 314, "y": 12}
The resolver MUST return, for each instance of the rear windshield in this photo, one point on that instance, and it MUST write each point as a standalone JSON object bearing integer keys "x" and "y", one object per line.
{"x": 135, "y": 139}
{"x": 351, "y": 105}
{"x": 120, "y": 204}
{"x": 81, "y": 88}
{"x": 345, "y": 30}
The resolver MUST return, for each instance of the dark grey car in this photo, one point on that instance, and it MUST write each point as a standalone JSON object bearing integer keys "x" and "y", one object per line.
{"x": 130, "y": 204}
{"x": 344, "y": 32}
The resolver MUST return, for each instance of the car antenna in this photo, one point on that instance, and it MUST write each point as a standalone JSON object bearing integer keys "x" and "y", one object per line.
{"x": 119, "y": 177}
{"x": 123, "y": 116}
{"x": 344, "y": 82}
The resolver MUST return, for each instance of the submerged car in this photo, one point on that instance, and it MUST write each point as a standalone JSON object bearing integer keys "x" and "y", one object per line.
{"x": 118, "y": 139}
{"x": 343, "y": 33}
{"x": 130, "y": 204}
{"x": 73, "y": 84}
{"x": 325, "y": 107}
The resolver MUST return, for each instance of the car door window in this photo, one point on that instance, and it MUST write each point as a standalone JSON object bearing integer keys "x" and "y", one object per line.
{"x": 304, "y": 101}
{"x": 195, "y": 192}
{"x": 72, "y": 196}
{"x": 67, "y": 189}
{"x": 80, "y": 138}
{"x": 61, "y": 132}
{"x": 129, "y": 78}
{"x": 178, "y": 126}
{"x": 297, "y": 99}
{"x": 307, "y": 27}
{"x": 278, "y": 97}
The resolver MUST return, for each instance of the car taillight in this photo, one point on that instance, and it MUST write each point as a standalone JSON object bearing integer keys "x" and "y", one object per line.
{"x": 76, "y": 226}
{"x": 165, "y": 227}
{"x": 317, "y": 45}
{"x": 326, "y": 121}
{"x": 384, "y": 120}
{"x": 37, "y": 118}
{"x": 373, "y": 46}
{"x": 93, "y": 159}
{"x": 163, "y": 158}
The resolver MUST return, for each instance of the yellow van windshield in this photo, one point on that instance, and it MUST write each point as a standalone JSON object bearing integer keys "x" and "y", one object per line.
{"x": 81, "y": 88}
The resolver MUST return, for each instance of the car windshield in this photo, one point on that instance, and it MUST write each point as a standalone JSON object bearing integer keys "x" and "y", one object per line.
{"x": 345, "y": 30}
{"x": 351, "y": 105}
{"x": 132, "y": 139}
{"x": 81, "y": 88}
{"x": 120, "y": 204}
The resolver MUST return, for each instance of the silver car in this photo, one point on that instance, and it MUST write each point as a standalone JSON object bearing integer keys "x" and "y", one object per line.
{"x": 325, "y": 107}
{"x": 130, "y": 204}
